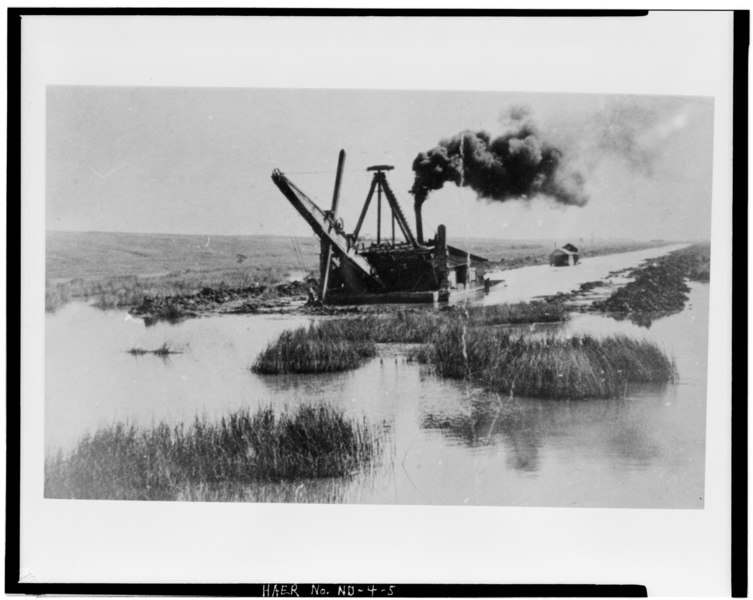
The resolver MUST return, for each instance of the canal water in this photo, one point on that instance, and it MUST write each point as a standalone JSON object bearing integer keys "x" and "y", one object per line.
{"x": 527, "y": 283}
{"x": 449, "y": 442}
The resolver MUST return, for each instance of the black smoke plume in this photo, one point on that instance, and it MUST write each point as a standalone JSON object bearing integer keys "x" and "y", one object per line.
{"x": 516, "y": 165}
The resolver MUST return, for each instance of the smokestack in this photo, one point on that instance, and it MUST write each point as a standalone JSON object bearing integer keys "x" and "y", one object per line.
{"x": 441, "y": 264}
{"x": 419, "y": 222}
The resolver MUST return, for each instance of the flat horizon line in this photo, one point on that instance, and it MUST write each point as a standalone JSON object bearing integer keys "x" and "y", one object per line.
{"x": 283, "y": 235}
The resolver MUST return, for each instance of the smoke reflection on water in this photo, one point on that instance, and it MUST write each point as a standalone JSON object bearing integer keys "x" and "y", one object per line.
{"x": 448, "y": 442}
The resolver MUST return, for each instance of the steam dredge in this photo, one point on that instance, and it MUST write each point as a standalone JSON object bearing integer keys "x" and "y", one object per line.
{"x": 397, "y": 266}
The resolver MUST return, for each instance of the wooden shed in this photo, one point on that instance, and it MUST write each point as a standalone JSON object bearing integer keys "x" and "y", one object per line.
{"x": 565, "y": 256}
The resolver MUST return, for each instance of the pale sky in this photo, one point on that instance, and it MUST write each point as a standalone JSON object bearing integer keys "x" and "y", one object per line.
{"x": 199, "y": 160}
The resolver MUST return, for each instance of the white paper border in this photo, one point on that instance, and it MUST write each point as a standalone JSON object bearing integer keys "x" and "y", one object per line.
{"x": 671, "y": 551}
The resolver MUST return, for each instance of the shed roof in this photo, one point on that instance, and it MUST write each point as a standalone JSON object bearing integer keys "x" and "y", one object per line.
{"x": 560, "y": 251}
{"x": 461, "y": 256}
{"x": 568, "y": 249}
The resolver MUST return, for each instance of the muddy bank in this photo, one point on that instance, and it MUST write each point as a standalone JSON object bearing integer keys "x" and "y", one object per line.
{"x": 581, "y": 299}
{"x": 295, "y": 297}
{"x": 252, "y": 299}
{"x": 655, "y": 288}
{"x": 659, "y": 286}
{"x": 299, "y": 297}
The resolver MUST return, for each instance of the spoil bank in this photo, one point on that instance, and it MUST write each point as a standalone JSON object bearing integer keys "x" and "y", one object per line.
{"x": 251, "y": 299}
{"x": 659, "y": 286}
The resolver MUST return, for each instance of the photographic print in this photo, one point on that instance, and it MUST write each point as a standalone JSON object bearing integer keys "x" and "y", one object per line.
{"x": 392, "y": 298}
{"x": 371, "y": 296}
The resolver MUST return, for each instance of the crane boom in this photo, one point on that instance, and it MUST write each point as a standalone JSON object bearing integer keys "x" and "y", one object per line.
{"x": 323, "y": 225}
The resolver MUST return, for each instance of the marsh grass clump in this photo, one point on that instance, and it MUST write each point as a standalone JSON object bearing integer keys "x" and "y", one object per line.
{"x": 550, "y": 367}
{"x": 340, "y": 344}
{"x": 417, "y": 326}
{"x": 466, "y": 344}
{"x": 164, "y": 463}
{"x": 400, "y": 327}
{"x": 315, "y": 349}
{"x": 55, "y": 297}
{"x": 517, "y": 313}
{"x": 138, "y": 351}
{"x": 116, "y": 294}
{"x": 344, "y": 343}
{"x": 166, "y": 349}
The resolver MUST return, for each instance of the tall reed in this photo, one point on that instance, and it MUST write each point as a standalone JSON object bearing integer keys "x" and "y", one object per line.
{"x": 550, "y": 367}
{"x": 315, "y": 349}
{"x": 342, "y": 344}
{"x": 163, "y": 462}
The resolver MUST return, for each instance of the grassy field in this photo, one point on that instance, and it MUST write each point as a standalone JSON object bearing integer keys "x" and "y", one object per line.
{"x": 121, "y": 269}
{"x": 71, "y": 255}
{"x": 122, "y": 462}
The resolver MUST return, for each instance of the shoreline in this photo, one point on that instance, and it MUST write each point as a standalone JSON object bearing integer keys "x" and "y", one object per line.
{"x": 261, "y": 272}
{"x": 293, "y": 298}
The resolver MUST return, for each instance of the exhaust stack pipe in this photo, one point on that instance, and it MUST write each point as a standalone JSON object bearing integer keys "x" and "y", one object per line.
{"x": 419, "y": 223}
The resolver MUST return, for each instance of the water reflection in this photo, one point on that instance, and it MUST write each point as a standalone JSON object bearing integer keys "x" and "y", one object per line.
{"x": 523, "y": 425}
{"x": 304, "y": 383}
{"x": 325, "y": 490}
{"x": 151, "y": 321}
{"x": 165, "y": 359}
{"x": 633, "y": 445}
{"x": 644, "y": 319}
{"x": 452, "y": 443}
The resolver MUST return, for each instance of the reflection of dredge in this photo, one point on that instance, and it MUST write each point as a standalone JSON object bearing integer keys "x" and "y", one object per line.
{"x": 385, "y": 270}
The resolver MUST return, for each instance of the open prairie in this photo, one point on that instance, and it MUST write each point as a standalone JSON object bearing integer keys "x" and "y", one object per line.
{"x": 121, "y": 269}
